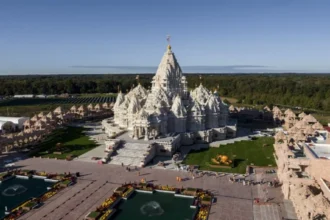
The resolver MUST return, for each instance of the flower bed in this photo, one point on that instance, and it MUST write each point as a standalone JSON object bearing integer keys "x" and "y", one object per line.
{"x": 30, "y": 205}
{"x": 203, "y": 213}
{"x": 166, "y": 188}
{"x": 107, "y": 214}
{"x": 145, "y": 187}
{"x": 5, "y": 176}
{"x": 128, "y": 192}
{"x": 108, "y": 202}
{"x": 202, "y": 201}
{"x": 64, "y": 180}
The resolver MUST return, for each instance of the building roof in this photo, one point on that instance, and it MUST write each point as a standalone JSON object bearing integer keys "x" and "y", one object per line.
{"x": 309, "y": 119}
{"x": 276, "y": 109}
{"x": 134, "y": 105}
{"x": 318, "y": 126}
{"x": 15, "y": 120}
{"x": 302, "y": 115}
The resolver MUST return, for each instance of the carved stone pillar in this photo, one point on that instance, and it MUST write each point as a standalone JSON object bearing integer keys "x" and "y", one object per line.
{"x": 146, "y": 134}
{"x": 135, "y": 134}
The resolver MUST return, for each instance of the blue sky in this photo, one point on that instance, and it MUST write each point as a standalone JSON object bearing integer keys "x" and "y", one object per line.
{"x": 98, "y": 36}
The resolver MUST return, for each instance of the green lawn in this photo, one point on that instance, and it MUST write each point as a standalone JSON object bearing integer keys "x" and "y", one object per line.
{"x": 241, "y": 153}
{"x": 73, "y": 139}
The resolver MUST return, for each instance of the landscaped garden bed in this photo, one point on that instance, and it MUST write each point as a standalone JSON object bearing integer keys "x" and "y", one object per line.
{"x": 65, "y": 143}
{"x": 202, "y": 200}
{"x": 242, "y": 154}
{"x": 62, "y": 181}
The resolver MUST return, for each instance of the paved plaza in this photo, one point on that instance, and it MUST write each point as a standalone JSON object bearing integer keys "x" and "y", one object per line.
{"x": 97, "y": 182}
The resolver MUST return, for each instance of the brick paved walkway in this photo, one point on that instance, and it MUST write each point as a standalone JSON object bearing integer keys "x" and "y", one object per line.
{"x": 233, "y": 200}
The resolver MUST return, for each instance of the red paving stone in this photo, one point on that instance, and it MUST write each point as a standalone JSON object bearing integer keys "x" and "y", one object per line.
{"x": 234, "y": 201}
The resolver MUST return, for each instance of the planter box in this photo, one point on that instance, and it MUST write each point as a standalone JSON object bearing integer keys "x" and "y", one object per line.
{"x": 29, "y": 206}
{"x": 129, "y": 193}
{"x": 207, "y": 200}
{"x": 120, "y": 190}
{"x": 190, "y": 192}
{"x": 112, "y": 211}
{"x": 93, "y": 215}
{"x": 65, "y": 183}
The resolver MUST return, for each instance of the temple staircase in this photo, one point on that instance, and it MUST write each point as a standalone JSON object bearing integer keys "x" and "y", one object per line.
{"x": 131, "y": 154}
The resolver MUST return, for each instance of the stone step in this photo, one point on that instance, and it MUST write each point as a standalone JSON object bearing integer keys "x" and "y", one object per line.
{"x": 127, "y": 161}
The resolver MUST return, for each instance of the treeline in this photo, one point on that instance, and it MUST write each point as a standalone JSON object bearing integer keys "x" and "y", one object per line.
{"x": 304, "y": 90}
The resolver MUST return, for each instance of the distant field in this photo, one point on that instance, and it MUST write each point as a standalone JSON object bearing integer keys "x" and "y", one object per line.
{"x": 231, "y": 100}
{"x": 55, "y": 101}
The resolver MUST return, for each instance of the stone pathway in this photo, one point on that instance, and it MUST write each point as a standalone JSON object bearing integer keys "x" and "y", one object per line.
{"x": 266, "y": 212}
{"x": 242, "y": 135}
{"x": 99, "y": 137}
{"x": 288, "y": 210}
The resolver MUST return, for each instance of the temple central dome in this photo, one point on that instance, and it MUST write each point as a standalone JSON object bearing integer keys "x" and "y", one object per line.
{"x": 168, "y": 107}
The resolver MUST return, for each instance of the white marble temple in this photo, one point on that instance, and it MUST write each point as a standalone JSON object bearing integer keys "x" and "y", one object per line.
{"x": 170, "y": 108}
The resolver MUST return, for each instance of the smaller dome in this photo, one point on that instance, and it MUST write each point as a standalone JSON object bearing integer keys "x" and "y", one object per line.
{"x": 134, "y": 105}
{"x": 120, "y": 99}
{"x": 177, "y": 108}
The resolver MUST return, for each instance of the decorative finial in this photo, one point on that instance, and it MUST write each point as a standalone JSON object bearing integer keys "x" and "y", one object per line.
{"x": 138, "y": 79}
{"x": 200, "y": 78}
{"x": 168, "y": 38}
{"x": 218, "y": 86}
{"x": 118, "y": 87}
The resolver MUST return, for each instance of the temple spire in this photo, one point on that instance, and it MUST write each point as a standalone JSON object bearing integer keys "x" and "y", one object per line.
{"x": 168, "y": 38}
{"x": 138, "y": 79}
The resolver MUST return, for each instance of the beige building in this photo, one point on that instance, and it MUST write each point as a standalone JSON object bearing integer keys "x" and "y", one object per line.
{"x": 302, "y": 154}
{"x": 42, "y": 124}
